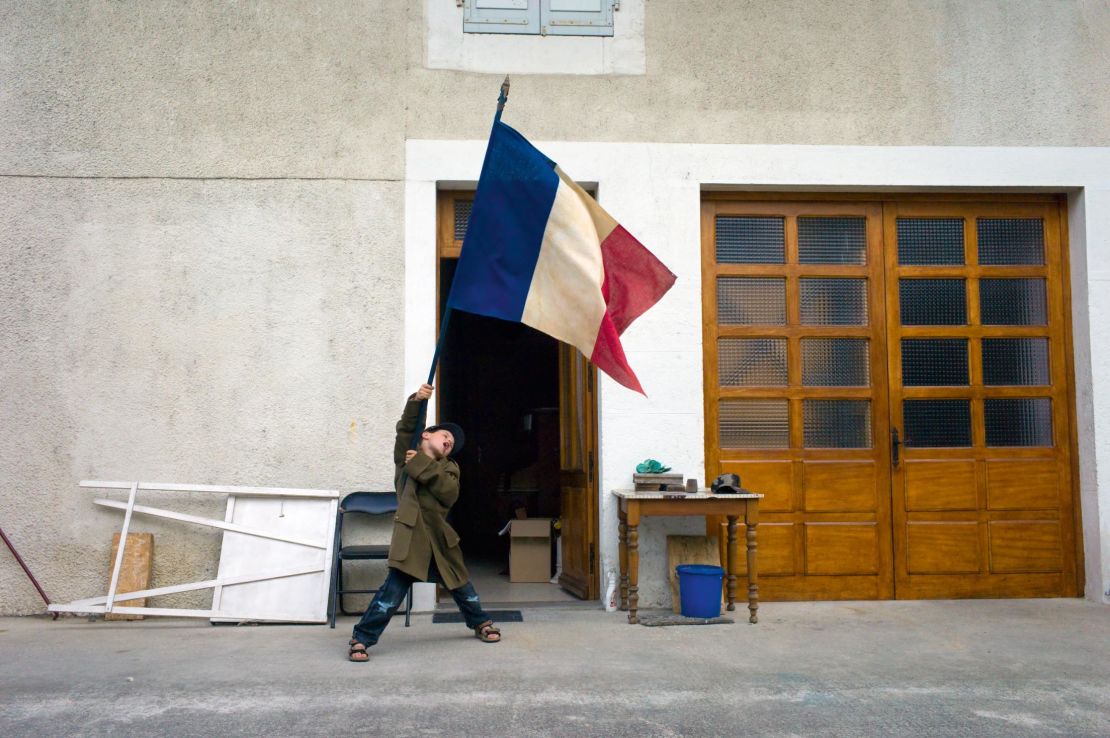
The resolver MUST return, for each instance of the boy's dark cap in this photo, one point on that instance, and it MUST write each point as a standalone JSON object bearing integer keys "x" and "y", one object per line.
{"x": 727, "y": 484}
{"x": 455, "y": 430}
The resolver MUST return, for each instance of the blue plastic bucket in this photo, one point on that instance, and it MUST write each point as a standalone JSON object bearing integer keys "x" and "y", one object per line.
{"x": 699, "y": 589}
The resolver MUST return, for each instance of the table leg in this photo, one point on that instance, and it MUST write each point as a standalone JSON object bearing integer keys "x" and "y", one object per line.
{"x": 751, "y": 519}
{"x": 732, "y": 564}
{"x": 633, "y": 563}
{"x": 623, "y": 538}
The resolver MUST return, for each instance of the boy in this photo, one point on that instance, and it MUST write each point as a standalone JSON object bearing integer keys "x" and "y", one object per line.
{"x": 424, "y": 547}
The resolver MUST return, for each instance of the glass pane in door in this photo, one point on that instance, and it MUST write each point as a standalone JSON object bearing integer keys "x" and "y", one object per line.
{"x": 750, "y": 240}
{"x": 832, "y": 240}
{"x": 751, "y": 301}
{"x": 463, "y": 209}
{"x": 1018, "y": 421}
{"x": 930, "y": 241}
{"x": 1013, "y": 302}
{"x": 937, "y": 423}
{"x": 1015, "y": 361}
{"x": 934, "y": 362}
{"x": 755, "y": 424}
{"x": 835, "y": 362}
{"x": 752, "y": 362}
{"x": 837, "y": 423}
{"x": 932, "y": 301}
{"x": 824, "y": 301}
{"x": 1006, "y": 241}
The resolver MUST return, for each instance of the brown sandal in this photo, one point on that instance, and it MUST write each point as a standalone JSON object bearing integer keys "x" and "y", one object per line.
{"x": 357, "y": 649}
{"x": 486, "y": 632}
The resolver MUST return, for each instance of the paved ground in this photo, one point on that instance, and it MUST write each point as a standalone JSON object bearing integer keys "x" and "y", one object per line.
{"x": 977, "y": 668}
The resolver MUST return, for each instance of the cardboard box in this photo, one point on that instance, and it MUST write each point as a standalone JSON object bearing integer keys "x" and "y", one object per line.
{"x": 530, "y": 550}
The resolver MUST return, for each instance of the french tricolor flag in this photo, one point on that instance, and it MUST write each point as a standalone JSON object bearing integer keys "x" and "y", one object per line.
{"x": 540, "y": 251}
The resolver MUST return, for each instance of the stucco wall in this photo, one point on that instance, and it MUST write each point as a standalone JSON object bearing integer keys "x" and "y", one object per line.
{"x": 202, "y": 210}
{"x": 292, "y": 89}
{"x": 207, "y": 331}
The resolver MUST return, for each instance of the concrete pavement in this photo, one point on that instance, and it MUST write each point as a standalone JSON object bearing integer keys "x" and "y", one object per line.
{"x": 976, "y": 668}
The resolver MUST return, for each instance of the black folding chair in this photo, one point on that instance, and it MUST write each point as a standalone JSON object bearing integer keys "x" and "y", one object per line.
{"x": 364, "y": 503}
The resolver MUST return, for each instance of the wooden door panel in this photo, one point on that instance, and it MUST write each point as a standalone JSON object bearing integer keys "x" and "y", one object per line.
{"x": 1023, "y": 485}
{"x": 820, "y": 587}
{"x": 776, "y": 550}
{"x": 842, "y": 548}
{"x": 840, "y": 487}
{"x": 943, "y": 548}
{"x": 959, "y": 586}
{"x": 1025, "y": 546}
{"x": 575, "y": 544}
{"x": 773, "y": 479}
{"x": 940, "y": 485}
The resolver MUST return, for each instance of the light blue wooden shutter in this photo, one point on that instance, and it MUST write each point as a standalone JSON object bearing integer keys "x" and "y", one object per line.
{"x": 576, "y": 17}
{"x": 501, "y": 16}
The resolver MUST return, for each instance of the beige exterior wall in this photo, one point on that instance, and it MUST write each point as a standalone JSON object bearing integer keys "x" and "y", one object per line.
{"x": 202, "y": 210}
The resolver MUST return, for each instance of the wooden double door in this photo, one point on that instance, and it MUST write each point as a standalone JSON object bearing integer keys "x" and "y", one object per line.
{"x": 895, "y": 377}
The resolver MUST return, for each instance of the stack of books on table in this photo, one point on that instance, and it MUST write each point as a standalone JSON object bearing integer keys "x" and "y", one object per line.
{"x": 658, "y": 482}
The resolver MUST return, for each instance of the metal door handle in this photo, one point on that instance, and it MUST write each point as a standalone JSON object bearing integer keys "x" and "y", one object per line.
{"x": 895, "y": 442}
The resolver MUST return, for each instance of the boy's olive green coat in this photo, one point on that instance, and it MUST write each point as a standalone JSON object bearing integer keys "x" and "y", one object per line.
{"x": 420, "y": 529}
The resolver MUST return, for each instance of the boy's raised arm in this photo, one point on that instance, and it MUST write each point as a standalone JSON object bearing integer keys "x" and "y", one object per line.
{"x": 406, "y": 426}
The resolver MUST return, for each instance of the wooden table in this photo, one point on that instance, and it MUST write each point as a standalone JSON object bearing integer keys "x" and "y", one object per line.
{"x": 635, "y": 505}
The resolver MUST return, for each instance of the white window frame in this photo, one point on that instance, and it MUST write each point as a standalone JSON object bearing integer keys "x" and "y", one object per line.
{"x": 448, "y": 47}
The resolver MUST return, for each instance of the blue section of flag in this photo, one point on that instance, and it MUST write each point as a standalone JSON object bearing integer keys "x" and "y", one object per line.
{"x": 515, "y": 192}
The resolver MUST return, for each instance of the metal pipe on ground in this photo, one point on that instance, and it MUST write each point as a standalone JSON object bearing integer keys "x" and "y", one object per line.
{"x": 26, "y": 570}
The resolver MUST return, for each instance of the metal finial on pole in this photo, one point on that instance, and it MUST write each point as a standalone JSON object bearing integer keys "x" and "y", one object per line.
{"x": 502, "y": 98}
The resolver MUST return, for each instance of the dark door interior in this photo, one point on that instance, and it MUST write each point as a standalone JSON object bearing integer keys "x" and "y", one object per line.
{"x": 499, "y": 381}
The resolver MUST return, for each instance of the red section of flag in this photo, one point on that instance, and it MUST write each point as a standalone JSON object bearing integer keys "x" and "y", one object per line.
{"x": 634, "y": 281}
{"x": 634, "y": 278}
{"x": 608, "y": 356}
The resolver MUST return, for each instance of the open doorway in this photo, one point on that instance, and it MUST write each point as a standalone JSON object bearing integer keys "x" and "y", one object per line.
{"x": 500, "y": 382}
{"x": 528, "y": 406}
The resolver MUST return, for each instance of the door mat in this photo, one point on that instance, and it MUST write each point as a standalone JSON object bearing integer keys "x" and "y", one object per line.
{"x": 667, "y": 618}
{"x": 497, "y": 616}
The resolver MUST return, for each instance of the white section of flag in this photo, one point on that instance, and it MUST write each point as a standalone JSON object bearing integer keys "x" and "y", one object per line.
{"x": 564, "y": 299}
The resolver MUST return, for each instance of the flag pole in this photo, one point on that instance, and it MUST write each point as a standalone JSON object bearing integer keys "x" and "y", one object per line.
{"x": 446, "y": 319}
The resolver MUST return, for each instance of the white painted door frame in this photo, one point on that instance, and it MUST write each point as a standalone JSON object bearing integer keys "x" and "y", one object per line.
{"x": 655, "y": 191}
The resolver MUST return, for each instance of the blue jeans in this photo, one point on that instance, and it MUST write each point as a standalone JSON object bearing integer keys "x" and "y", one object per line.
{"x": 392, "y": 595}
